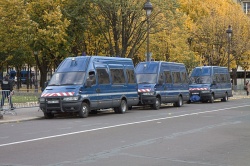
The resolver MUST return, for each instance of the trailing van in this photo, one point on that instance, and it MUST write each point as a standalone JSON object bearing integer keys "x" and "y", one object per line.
{"x": 208, "y": 83}
{"x": 162, "y": 82}
{"x": 87, "y": 84}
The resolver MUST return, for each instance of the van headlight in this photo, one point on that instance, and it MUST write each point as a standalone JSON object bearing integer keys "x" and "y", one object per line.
{"x": 148, "y": 93}
{"x": 205, "y": 91}
{"x": 70, "y": 98}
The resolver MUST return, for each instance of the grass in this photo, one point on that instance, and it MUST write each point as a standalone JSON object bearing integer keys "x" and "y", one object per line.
{"x": 24, "y": 99}
{"x": 25, "y": 95}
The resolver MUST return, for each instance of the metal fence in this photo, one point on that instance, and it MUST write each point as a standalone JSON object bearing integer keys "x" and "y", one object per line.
{"x": 22, "y": 98}
{"x": 30, "y": 97}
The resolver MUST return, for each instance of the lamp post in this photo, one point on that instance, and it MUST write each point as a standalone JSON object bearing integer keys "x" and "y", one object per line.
{"x": 35, "y": 81}
{"x": 229, "y": 32}
{"x": 148, "y": 8}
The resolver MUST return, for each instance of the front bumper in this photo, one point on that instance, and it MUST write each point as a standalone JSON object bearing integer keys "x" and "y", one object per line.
{"x": 58, "y": 105}
{"x": 146, "y": 99}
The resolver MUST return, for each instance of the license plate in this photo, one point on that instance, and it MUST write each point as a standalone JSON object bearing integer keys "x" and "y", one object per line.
{"x": 53, "y": 101}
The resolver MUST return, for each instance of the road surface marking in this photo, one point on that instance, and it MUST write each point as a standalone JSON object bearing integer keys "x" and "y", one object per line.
{"x": 119, "y": 125}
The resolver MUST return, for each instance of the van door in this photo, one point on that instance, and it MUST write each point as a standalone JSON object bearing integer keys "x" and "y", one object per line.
{"x": 168, "y": 87}
{"x": 177, "y": 85}
{"x": 215, "y": 86}
{"x": 118, "y": 86}
{"x": 103, "y": 88}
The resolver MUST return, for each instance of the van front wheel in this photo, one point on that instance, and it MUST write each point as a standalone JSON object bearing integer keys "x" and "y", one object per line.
{"x": 211, "y": 100}
{"x": 179, "y": 103}
{"x": 122, "y": 108}
{"x": 225, "y": 98}
{"x": 157, "y": 103}
{"x": 48, "y": 115}
{"x": 84, "y": 111}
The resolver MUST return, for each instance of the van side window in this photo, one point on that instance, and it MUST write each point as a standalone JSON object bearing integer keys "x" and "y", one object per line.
{"x": 117, "y": 76}
{"x": 223, "y": 78}
{"x": 217, "y": 77}
{"x": 184, "y": 77}
{"x": 176, "y": 77}
{"x": 161, "y": 78}
{"x": 103, "y": 76}
{"x": 228, "y": 78}
{"x": 131, "y": 76}
{"x": 168, "y": 77}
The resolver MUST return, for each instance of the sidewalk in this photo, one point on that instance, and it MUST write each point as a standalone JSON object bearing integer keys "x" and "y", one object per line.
{"x": 22, "y": 114}
{"x": 30, "y": 113}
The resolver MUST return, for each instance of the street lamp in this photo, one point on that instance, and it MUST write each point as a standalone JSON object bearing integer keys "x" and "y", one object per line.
{"x": 229, "y": 32}
{"x": 148, "y": 8}
{"x": 35, "y": 81}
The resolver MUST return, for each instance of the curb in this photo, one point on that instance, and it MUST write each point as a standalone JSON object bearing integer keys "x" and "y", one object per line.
{"x": 19, "y": 120}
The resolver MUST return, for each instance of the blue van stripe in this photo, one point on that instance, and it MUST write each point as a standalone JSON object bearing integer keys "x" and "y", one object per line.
{"x": 184, "y": 91}
{"x": 109, "y": 94}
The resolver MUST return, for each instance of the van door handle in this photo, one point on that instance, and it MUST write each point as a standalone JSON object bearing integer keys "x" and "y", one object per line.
{"x": 98, "y": 90}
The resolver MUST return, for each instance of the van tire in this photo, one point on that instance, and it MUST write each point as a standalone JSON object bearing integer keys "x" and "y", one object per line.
{"x": 211, "y": 100}
{"x": 84, "y": 111}
{"x": 48, "y": 115}
{"x": 225, "y": 98}
{"x": 179, "y": 103}
{"x": 122, "y": 108}
{"x": 157, "y": 103}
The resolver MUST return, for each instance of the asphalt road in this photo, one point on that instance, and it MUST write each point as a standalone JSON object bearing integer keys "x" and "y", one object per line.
{"x": 197, "y": 134}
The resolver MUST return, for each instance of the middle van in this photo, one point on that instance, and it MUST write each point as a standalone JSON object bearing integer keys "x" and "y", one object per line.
{"x": 162, "y": 82}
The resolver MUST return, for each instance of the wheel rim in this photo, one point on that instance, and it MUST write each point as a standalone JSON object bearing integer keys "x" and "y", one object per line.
{"x": 180, "y": 101}
{"x": 123, "y": 106}
{"x": 212, "y": 98}
{"x": 157, "y": 102}
{"x": 84, "y": 109}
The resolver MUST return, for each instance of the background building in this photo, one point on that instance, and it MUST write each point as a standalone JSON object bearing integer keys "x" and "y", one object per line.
{"x": 245, "y": 5}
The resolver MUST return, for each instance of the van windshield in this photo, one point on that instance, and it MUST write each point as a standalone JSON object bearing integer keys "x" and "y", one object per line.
{"x": 200, "y": 80}
{"x": 67, "y": 78}
{"x": 146, "y": 78}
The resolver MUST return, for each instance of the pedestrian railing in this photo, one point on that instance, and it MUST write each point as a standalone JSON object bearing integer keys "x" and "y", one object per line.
{"x": 25, "y": 98}
{"x": 6, "y": 102}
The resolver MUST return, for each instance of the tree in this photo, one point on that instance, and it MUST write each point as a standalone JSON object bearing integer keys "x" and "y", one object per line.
{"x": 14, "y": 28}
{"x": 48, "y": 34}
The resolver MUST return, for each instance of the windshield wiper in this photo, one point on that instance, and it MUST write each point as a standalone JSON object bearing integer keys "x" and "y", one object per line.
{"x": 68, "y": 84}
{"x": 144, "y": 83}
{"x": 53, "y": 84}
